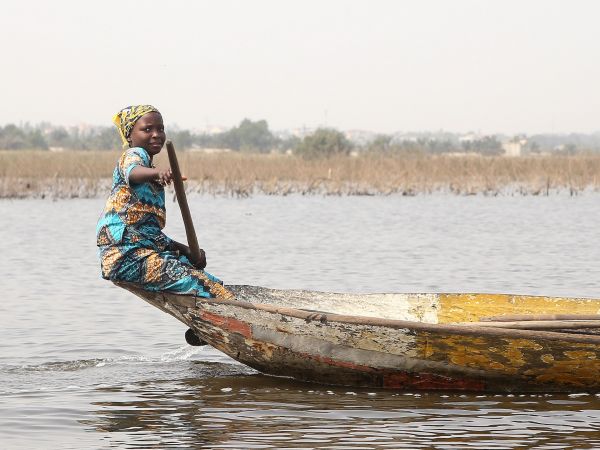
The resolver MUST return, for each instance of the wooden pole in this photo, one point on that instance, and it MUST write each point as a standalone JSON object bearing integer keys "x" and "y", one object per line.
{"x": 183, "y": 204}
{"x": 538, "y": 324}
{"x": 538, "y": 317}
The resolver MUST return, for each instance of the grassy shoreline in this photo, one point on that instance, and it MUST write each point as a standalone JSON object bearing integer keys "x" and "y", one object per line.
{"x": 86, "y": 174}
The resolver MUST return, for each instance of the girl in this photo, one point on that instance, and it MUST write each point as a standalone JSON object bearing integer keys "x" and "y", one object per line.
{"x": 131, "y": 244}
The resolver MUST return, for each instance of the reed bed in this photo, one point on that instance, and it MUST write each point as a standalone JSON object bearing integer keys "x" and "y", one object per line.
{"x": 85, "y": 174}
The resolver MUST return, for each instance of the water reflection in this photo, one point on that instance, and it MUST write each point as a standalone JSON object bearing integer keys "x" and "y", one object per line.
{"x": 256, "y": 411}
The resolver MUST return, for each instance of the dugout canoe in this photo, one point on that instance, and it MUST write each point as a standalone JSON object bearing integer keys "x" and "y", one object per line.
{"x": 452, "y": 342}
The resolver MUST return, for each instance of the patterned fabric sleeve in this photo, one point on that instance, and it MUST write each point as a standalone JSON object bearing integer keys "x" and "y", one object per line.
{"x": 133, "y": 157}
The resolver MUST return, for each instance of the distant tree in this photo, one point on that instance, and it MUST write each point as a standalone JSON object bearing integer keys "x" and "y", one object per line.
{"x": 534, "y": 147}
{"x": 58, "y": 137}
{"x": 251, "y": 136}
{"x": 104, "y": 138}
{"x": 411, "y": 146}
{"x": 247, "y": 136}
{"x": 322, "y": 143}
{"x": 433, "y": 145}
{"x": 566, "y": 149}
{"x": 182, "y": 139}
{"x": 289, "y": 143}
{"x": 205, "y": 140}
{"x": 36, "y": 140}
{"x": 12, "y": 138}
{"x": 487, "y": 145}
{"x": 381, "y": 144}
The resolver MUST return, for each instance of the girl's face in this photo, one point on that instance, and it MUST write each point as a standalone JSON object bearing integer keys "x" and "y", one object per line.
{"x": 148, "y": 133}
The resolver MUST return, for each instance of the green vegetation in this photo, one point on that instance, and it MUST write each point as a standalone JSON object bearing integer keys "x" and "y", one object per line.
{"x": 256, "y": 137}
{"x": 248, "y": 136}
{"x": 324, "y": 143}
{"x": 486, "y": 145}
{"x": 15, "y": 138}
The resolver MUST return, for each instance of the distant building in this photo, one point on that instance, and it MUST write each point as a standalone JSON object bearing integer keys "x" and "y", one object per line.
{"x": 198, "y": 149}
{"x": 471, "y": 137}
{"x": 360, "y": 137}
{"x": 302, "y": 132}
{"x": 514, "y": 147}
{"x": 462, "y": 154}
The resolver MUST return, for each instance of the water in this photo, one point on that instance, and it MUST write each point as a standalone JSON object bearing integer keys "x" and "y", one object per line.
{"x": 84, "y": 364}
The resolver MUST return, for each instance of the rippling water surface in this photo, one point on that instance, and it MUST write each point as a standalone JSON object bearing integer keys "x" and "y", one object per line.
{"x": 86, "y": 365}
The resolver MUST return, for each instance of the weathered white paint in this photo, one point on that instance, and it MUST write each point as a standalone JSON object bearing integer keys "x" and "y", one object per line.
{"x": 411, "y": 307}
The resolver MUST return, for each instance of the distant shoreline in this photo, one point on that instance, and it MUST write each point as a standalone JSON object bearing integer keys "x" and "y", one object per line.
{"x": 86, "y": 174}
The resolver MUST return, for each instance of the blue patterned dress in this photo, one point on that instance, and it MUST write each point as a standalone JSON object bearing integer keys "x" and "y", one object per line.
{"x": 131, "y": 243}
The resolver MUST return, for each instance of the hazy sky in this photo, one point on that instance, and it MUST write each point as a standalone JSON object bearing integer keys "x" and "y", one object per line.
{"x": 493, "y": 66}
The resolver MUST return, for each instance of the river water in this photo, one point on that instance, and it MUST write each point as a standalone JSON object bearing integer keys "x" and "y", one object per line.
{"x": 84, "y": 364}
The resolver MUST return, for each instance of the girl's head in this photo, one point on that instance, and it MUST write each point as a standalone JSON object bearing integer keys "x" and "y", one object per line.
{"x": 141, "y": 126}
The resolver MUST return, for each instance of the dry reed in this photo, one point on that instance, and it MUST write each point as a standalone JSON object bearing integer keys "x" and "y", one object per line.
{"x": 87, "y": 174}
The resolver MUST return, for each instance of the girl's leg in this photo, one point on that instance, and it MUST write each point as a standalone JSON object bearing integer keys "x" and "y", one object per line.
{"x": 166, "y": 272}
{"x": 156, "y": 271}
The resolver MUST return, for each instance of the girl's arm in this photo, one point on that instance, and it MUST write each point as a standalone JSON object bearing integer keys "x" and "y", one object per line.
{"x": 185, "y": 250}
{"x": 141, "y": 174}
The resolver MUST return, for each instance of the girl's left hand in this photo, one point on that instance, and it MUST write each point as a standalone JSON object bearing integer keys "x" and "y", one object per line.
{"x": 201, "y": 262}
{"x": 198, "y": 264}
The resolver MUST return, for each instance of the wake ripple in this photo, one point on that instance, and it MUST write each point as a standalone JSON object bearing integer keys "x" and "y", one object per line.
{"x": 184, "y": 353}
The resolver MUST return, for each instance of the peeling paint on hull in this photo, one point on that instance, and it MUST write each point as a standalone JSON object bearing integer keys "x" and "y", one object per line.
{"x": 414, "y": 346}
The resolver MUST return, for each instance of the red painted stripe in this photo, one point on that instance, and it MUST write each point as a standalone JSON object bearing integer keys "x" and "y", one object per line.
{"x": 337, "y": 363}
{"x": 408, "y": 380}
{"x": 227, "y": 323}
{"x": 429, "y": 381}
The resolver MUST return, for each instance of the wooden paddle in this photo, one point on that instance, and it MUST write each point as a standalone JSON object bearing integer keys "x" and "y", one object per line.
{"x": 183, "y": 204}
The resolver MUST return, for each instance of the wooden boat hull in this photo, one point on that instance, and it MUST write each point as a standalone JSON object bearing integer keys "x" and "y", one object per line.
{"x": 414, "y": 344}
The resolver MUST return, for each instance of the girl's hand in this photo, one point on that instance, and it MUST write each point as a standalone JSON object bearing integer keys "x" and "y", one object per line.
{"x": 185, "y": 250}
{"x": 201, "y": 262}
{"x": 165, "y": 177}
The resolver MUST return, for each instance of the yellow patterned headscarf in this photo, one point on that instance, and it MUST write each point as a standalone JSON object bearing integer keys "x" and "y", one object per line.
{"x": 127, "y": 117}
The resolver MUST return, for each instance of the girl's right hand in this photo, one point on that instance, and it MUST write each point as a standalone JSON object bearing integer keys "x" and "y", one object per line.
{"x": 165, "y": 177}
